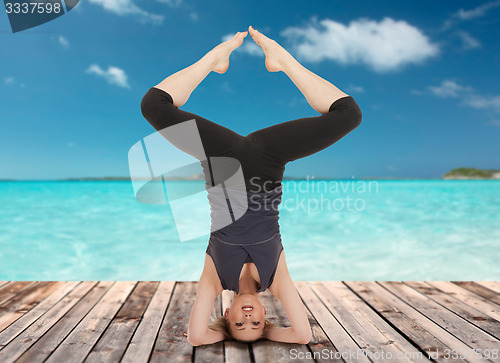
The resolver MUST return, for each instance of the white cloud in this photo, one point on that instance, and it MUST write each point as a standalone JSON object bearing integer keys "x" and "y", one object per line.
{"x": 449, "y": 88}
{"x": 193, "y": 16}
{"x": 113, "y": 75}
{"x": 13, "y": 82}
{"x": 468, "y": 41}
{"x": 384, "y": 46}
{"x": 355, "y": 89}
{"x": 248, "y": 46}
{"x": 477, "y": 12}
{"x": 484, "y": 102}
{"x": 63, "y": 41}
{"x": 469, "y": 97}
{"x": 173, "y": 3}
{"x": 226, "y": 87}
{"x": 127, "y": 7}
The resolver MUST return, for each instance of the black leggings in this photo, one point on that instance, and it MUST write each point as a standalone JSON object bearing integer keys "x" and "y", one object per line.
{"x": 263, "y": 153}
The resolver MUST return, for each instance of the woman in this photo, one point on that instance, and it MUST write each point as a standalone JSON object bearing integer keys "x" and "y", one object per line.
{"x": 247, "y": 256}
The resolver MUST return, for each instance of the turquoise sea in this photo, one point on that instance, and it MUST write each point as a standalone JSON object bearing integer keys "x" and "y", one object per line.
{"x": 332, "y": 230}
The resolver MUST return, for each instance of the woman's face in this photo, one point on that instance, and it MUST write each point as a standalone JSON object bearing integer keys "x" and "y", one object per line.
{"x": 246, "y": 317}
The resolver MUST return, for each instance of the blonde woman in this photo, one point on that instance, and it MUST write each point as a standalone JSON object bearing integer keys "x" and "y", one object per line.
{"x": 247, "y": 256}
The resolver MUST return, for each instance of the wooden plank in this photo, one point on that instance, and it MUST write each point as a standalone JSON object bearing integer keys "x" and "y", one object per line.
{"x": 325, "y": 329}
{"x": 213, "y": 353}
{"x": 460, "y": 328}
{"x": 46, "y": 344}
{"x": 270, "y": 351}
{"x": 26, "y": 300}
{"x": 494, "y": 286}
{"x": 27, "y": 319}
{"x": 477, "y": 289}
{"x": 172, "y": 344}
{"x": 141, "y": 345}
{"x": 80, "y": 341}
{"x": 372, "y": 333}
{"x": 8, "y": 291}
{"x": 64, "y": 300}
{"x": 444, "y": 294}
{"x": 235, "y": 352}
{"x": 470, "y": 298}
{"x": 430, "y": 337}
{"x": 3, "y": 283}
{"x": 113, "y": 343}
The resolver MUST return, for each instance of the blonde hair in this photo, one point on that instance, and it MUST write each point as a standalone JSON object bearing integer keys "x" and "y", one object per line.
{"x": 221, "y": 325}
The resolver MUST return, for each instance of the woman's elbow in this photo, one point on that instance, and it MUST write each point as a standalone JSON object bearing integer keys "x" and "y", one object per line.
{"x": 304, "y": 337}
{"x": 194, "y": 340}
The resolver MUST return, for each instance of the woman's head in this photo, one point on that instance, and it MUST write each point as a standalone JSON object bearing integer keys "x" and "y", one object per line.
{"x": 244, "y": 320}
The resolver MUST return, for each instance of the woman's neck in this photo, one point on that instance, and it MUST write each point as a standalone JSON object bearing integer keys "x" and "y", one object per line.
{"x": 247, "y": 284}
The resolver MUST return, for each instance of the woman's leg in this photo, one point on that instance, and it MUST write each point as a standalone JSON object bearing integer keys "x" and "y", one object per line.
{"x": 319, "y": 92}
{"x": 295, "y": 139}
{"x": 160, "y": 105}
{"x": 180, "y": 85}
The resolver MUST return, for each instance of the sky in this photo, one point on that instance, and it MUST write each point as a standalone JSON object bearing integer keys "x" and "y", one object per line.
{"x": 425, "y": 75}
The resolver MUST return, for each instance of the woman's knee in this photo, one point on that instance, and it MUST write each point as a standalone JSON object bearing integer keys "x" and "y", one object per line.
{"x": 348, "y": 109}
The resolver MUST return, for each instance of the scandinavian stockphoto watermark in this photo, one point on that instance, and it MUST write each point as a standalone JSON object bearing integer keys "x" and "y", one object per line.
{"x": 310, "y": 195}
{"x": 31, "y": 13}
{"x": 162, "y": 162}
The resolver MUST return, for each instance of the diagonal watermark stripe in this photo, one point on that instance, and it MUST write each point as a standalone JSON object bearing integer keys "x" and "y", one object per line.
{"x": 159, "y": 161}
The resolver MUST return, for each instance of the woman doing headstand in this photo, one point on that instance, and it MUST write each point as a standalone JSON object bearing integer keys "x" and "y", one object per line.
{"x": 247, "y": 256}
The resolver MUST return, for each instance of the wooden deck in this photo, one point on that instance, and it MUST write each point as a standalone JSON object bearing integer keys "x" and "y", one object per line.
{"x": 130, "y": 321}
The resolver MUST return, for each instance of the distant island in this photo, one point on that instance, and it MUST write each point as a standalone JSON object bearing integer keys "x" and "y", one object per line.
{"x": 464, "y": 173}
{"x": 472, "y": 173}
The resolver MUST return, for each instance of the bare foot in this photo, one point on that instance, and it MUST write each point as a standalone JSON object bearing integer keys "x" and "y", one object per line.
{"x": 276, "y": 56}
{"x": 223, "y": 50}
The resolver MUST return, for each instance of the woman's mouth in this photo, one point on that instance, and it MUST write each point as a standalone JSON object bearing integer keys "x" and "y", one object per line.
{"x": 247, "y": 308}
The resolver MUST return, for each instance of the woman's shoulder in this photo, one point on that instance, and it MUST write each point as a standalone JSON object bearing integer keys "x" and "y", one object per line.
{"x": 209, "y": 276}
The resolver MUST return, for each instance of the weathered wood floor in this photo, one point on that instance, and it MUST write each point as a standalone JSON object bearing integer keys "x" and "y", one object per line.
{"x": 130, "y": 321}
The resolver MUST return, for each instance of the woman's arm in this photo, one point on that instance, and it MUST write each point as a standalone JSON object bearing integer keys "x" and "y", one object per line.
{"x": 284, "y": 289}
{"x": 209, "y": 287}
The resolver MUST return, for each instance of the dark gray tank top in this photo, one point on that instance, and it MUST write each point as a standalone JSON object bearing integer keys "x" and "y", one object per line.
{"x": 255, "y": 237}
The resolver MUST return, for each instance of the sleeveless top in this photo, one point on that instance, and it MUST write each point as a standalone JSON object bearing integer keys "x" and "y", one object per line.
{"x": 254, "y": 237}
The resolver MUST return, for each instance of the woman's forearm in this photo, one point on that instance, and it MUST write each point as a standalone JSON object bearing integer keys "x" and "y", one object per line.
{"x": 287, "y": 335}
{"x": 208, "y": 337}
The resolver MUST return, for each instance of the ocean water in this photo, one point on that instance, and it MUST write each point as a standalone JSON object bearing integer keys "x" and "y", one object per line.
{"x": 331, "y": 230}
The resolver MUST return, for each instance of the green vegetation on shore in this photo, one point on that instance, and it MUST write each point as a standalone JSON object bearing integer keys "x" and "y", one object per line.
{"x": 472, "y": 173}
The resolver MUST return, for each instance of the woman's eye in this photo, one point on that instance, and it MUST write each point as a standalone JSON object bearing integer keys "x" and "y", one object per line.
{"x": 256, "y": 323}
{"x": 238, "y": 324}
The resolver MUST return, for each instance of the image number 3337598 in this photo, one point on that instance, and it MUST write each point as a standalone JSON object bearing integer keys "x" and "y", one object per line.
{"x": 30, "y": 13}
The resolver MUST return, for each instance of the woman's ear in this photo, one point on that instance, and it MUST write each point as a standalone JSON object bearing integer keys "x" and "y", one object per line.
{"x": 226, "y": 313}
